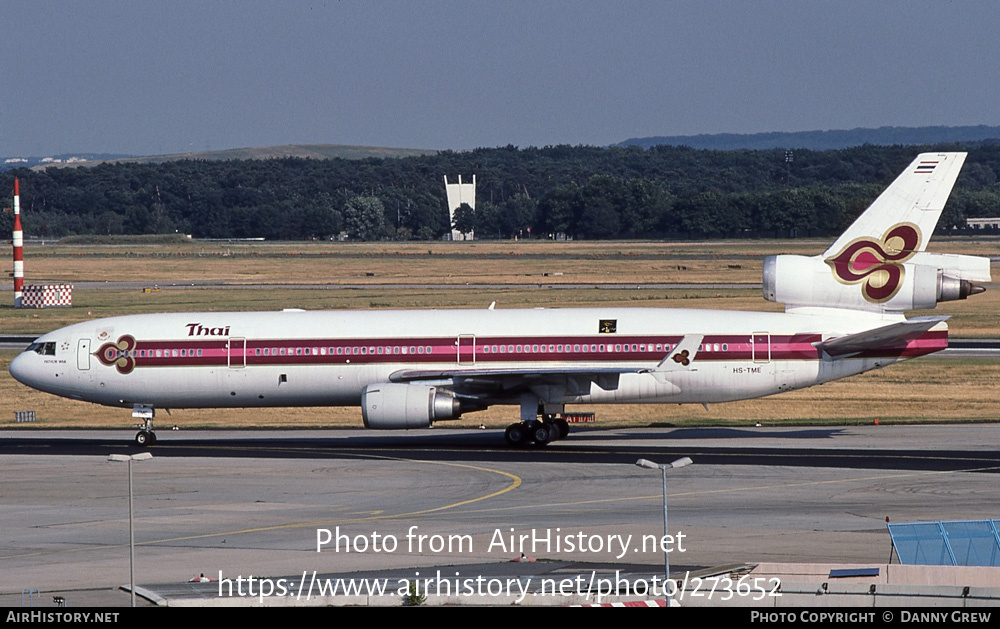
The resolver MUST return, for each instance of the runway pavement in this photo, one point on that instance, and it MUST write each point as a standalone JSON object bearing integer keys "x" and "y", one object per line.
{"x": 241, "y": 503}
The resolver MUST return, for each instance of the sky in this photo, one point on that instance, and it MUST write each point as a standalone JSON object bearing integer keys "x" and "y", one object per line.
{"x": 150, "y": 77}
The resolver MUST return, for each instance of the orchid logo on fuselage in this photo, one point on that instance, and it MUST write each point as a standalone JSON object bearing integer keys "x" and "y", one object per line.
{"x": 877, "y": 264}
{"x": 121, "y": 354}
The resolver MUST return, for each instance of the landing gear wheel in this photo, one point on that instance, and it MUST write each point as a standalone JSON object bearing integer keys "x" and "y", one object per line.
{"x": 516, "y": 434}
{"x": 145, "y": 437}
{"x": 562, "y": 426}
{"x": 541, "y": 434}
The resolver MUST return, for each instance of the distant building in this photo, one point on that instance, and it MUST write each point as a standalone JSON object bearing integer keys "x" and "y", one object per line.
{"x": 983, "y": 223}
{"x": 459, "y": 193}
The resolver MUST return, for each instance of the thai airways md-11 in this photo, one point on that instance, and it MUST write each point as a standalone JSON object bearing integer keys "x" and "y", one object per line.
{"x": 408, "y": 369}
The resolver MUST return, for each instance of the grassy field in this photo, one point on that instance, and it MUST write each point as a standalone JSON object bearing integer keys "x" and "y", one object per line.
{"x": 931, "y": 389}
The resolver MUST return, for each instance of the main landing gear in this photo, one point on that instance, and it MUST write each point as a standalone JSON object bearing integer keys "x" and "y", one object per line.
{"x": 537, "y": 432}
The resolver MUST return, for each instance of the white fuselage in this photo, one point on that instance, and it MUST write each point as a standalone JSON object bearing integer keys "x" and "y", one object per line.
{"x": 298, "y": 358}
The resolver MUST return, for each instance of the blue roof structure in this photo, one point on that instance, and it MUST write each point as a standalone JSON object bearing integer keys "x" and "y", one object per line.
{"x": 958, "y": 543}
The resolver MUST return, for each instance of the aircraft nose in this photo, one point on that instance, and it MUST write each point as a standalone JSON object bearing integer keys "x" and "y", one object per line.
{"x": 20, "y": 368}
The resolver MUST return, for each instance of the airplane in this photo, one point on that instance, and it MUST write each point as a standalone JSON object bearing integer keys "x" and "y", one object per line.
{"x": 409, "y": 369}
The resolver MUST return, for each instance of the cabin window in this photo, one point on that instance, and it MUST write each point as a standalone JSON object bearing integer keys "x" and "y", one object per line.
{"x": 199, "y": 353}
{"x": 725, "y": 347}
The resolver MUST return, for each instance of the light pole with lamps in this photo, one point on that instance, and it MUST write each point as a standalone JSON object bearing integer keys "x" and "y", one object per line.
{"x": 663, "y": 469}
{"x": 125, "y": 458}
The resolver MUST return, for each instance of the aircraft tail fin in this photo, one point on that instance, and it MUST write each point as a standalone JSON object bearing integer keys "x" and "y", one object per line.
{"x": 879, "y": 263}
{"x": 916, "y": 197}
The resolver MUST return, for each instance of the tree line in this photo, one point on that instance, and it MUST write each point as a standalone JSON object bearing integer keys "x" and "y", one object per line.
{"x": 561, "y": 191}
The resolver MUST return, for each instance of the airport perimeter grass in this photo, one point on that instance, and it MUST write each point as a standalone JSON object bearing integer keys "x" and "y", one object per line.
{"x": 925, "y": 390}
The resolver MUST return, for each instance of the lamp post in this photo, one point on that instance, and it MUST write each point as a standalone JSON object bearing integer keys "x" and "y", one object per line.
{"x": 125, "y": 458}
{"x": 683, "y": 462}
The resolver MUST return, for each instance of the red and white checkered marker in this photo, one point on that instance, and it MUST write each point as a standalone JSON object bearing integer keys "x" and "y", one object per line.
{"x": 47, "y": 296}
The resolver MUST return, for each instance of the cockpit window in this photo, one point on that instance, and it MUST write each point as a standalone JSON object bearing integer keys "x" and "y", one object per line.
{"x": 43, "y": 349}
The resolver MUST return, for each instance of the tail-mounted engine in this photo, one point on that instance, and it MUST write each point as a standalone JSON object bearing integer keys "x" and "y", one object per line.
{"x": 397, "y": 405}
{"x": 863, "y": 281}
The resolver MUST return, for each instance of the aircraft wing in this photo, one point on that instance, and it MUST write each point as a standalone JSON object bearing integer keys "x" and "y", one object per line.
{"x": 473, "y": 379}
{"x": 576, "y": 379}
{"x": 892, "y": 335}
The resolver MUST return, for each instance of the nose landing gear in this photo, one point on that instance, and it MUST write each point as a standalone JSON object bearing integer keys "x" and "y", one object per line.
{"x": 145, "y": 437}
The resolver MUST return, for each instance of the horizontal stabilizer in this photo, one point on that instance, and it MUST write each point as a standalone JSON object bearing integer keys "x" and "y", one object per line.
{"x": 895, "y": 334}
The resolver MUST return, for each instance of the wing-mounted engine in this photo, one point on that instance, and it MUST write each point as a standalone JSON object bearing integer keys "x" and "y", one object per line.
{"x": 397, "y": 406}
{"x": 867, "y": 277}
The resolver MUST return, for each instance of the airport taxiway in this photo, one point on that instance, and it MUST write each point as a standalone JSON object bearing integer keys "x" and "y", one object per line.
{"x": 241, "y": 503}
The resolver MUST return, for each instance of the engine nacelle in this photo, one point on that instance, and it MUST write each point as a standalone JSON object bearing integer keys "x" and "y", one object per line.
{"x": 874, "y": 285}
{"x": 399, "y": 406}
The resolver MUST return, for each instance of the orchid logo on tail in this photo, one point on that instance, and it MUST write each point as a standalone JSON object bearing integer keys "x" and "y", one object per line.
{"x": 877, "y": 264}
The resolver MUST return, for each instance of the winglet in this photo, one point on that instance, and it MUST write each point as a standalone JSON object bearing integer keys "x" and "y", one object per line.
{"x": 680, "y": 359}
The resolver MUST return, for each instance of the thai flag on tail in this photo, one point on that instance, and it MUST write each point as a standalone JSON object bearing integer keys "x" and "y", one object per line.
{"x": 925, "y": 167}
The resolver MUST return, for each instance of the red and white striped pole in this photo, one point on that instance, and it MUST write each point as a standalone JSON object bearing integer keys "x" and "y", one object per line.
{"x": 18, "y": 249}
